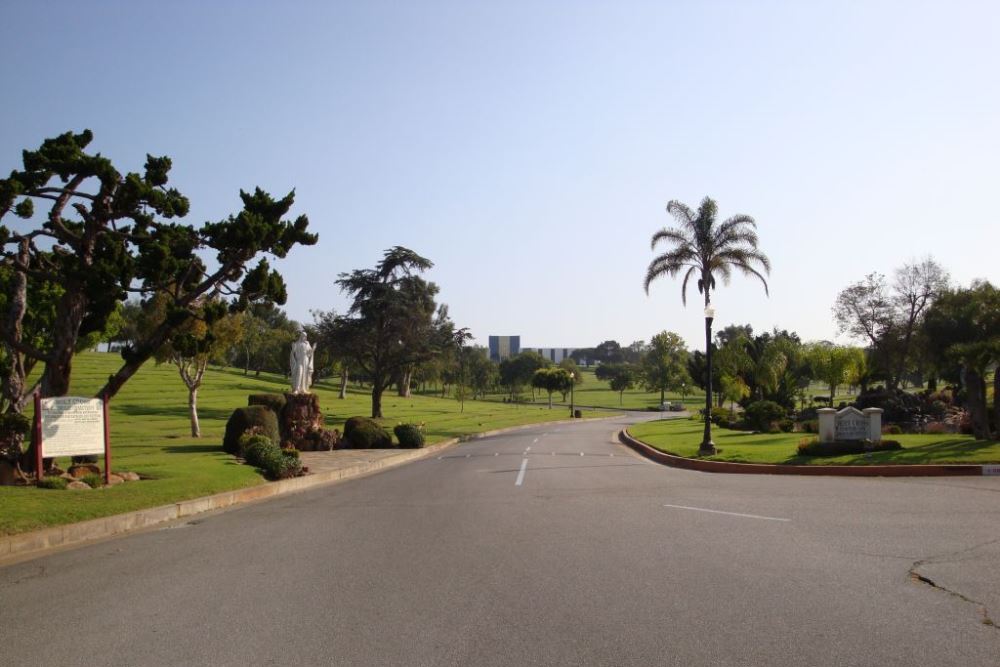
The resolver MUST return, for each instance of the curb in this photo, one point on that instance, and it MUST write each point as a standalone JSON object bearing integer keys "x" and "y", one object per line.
{"x": 28, "y": 545}
{"x": 915, "y": 470}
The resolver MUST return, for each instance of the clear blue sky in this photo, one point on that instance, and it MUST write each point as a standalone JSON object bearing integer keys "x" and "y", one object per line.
{"x": 529, "y": 148}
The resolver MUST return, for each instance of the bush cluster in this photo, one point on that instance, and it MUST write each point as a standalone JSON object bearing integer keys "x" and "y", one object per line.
{"x": 764, "y": 416}
{"x": 277, "y": 463}
{"x": 842, "y": 447}
{"x": 409, "y": 436}
{"x": 258, "y": 419}
{"x": 892, "y": 429}
{"x": 364, "y": 433}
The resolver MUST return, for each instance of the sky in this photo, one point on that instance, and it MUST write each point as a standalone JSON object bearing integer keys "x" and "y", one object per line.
{"x": 529, "y": 148}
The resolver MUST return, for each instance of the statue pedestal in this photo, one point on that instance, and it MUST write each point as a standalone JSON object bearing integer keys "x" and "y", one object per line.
{"x": 301, "y": 424}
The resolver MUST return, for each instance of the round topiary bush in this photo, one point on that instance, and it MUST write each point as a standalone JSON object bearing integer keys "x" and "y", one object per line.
{"x": 364, "y": 433}
{"x": 274, "y": 401}
{"x": 762, "y": 415}
{"x": 258, "y": 418}
{"x": 409, "y": 436}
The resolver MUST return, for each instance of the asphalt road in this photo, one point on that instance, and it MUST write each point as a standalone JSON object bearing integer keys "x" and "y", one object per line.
{"x": 552, "y": 546}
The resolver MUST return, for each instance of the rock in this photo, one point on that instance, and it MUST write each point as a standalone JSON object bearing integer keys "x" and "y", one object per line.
{"x": 114, "y": 479}
{"x": 301, "y": 423}
{"x": 8, "y": 474}
{"x": 129, "y": 476}
{"x": 77, "y": 485}
{"x": 78, "y": 470}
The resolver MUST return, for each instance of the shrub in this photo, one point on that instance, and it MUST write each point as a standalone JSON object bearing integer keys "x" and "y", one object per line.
{"x": 52, "y": 483}
{"x": 255, "y": 448}
{"x": 938, "y": 428}
{"x": 277, "y": 463}
{"x": 898, "y": 406}
{"x": 274, "y": 401}
{"x": 92, "y": 480}
{"x": 760, "y": 415}
{"x": 810, "y": 426}
{"x": 892, "y": 429}
{"x": 261, "y": 420}
{"x": 721, "y": 416}
{"x": 937, "y": 409}
{"x": 410, "y": 436}
{"x": 813, "y": 447}
{"x": 577, "y": 414}
{"x": 364, "y": 433}
{"x": 786, "y": 425}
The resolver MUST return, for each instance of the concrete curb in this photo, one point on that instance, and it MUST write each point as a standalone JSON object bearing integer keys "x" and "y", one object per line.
{"x": 916, "y": 470}
{"x": 27, "y": 545}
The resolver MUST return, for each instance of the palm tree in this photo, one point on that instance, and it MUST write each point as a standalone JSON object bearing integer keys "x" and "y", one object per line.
{"x": 704, "y": 248}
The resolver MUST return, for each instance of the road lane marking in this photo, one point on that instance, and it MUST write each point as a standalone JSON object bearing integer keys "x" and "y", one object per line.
{"x": 745, "y": 516}
{"x": 520, "y": 473}
{"x": 581, "y": 453}
{"x": 534, "y": 441}
{"x": 496, "y": 453}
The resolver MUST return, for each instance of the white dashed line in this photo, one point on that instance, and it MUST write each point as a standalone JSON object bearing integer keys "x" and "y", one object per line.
{"x": 745, "y": 516}
{"x": 520, "y": 473}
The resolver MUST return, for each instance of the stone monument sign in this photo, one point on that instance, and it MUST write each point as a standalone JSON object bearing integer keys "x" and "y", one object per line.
{"x": 850, "y": 424}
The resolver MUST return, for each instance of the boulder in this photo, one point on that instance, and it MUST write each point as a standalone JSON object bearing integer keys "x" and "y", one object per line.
{"x": 77, "y": 484}
{"x": 78, "y": 470}
{"x": 301, "y": 424}
{"x": 114, "y": 479}
{"x": 129, "y": 476}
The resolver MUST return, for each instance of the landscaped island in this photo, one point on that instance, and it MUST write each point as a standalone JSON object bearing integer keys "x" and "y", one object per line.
{"x": 681, "y": 437}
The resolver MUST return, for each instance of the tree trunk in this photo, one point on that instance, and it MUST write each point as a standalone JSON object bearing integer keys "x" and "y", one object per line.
{"x": 343, "y": 383}
{"x": 662, "y": 393}
{"x": 550, "y": 400}
{"x": 976, "y": 388}
{"x": 996, "y": 402}
{"x": 193, "y": 412}
{"x": 404, "y": 383}
{"x": 13, "y": 383}
{"x": 376, "y": 401}
{"x": 65, "y": 330}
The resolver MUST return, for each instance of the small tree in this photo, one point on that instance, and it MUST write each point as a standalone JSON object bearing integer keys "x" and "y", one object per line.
{"x": 664, "y": 365}
{"x": 621, "y": 377}
{"x": 551, "y": 380}
{"x": 833, "y": 364}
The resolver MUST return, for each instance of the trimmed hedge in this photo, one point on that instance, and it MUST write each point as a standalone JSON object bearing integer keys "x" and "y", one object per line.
{"x": 364, "y": 433}
{"x": 842, "y": 447}
{"x": 409, "y": 436}
{"x": 257, "y": 418}
{"x": 274, "y": 401}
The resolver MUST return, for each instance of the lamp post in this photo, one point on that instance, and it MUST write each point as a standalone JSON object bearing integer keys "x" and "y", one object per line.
{"x": 707, "y": 447}
{"x": 572, "y": 385}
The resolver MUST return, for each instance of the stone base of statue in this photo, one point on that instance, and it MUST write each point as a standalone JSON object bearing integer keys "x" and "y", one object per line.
{"x": 301, "y": 424}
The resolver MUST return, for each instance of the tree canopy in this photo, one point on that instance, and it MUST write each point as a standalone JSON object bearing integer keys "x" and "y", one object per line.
{"x": 106, "y": 235}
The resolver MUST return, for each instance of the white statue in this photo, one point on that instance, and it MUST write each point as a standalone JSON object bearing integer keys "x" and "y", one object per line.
{"x": 302, "y": 364}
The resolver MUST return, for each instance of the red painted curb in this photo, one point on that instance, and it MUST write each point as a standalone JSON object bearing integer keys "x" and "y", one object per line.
{"x": 916, "y": 470}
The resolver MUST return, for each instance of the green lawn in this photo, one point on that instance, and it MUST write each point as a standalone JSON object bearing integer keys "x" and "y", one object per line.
{"x": 597, "y": 393}
{"x": 150, "y": 435}
{"x": 682, "y": 437}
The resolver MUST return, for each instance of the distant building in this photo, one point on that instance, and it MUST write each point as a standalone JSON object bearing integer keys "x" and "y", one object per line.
{"x": 504, "y": 347}
{"x": 553, "y": 354}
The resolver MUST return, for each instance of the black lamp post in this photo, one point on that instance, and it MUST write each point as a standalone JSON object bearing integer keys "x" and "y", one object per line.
{"x": 707, "y": 447}
{"x": 572, "y": 385}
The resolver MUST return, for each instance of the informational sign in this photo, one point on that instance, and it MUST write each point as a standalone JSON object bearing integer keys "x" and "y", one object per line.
{"x": 72, "y": 426}
{"x": 852, "y": 424}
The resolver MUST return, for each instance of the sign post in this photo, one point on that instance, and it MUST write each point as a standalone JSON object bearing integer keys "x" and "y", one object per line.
{"x": 72, "y": 426}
